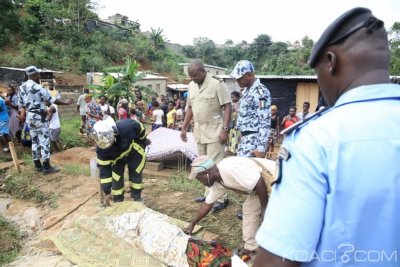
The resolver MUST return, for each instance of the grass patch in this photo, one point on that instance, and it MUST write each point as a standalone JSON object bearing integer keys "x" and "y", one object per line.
{"x": 76, "y": 169}
{"x": 70, "y": 133}
{"x": 23, "y": 186}
{"x": 10, "y": 241}
{"x": 180, "y": 182}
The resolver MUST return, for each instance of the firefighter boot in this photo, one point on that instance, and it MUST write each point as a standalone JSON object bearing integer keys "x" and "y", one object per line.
{"x": 136, "y": 195}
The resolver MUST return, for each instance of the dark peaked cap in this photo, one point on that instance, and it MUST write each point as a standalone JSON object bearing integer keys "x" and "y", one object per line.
{"x": 343, "y": 27}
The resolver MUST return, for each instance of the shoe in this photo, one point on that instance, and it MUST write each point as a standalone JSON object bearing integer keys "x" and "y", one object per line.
{"x": 246, "y": 255}
{"x": 47, "y": 168}
{"x": 199, "y": 199}
{"x": 239, "y": 215}
{"x": 136, "y": 195}
{"x": 138, "y": 199}
{"x": 38, "y": 165}
{"x": 220, "y": 206}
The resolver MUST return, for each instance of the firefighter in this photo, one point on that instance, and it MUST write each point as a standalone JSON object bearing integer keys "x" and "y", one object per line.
{"x": 119, "y": 144}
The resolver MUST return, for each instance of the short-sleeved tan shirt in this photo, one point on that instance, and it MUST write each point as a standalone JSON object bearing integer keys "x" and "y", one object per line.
{"x": 206, "y": 103}
{"x": 238, "y": 173}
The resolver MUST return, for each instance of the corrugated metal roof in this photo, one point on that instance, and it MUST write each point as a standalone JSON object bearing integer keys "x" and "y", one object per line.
{"x": 205, "y": 65}
{"x": 43, "y": 70}
{"x": 147, "y": 77}
{"x": 278, "y": 77}
{"x": 178, "y": 86}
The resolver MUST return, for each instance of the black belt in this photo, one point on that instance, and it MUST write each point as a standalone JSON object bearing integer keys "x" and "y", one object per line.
{"x": 247, "y": 133}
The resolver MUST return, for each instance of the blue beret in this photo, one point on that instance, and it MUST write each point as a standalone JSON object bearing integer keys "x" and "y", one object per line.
{"x": 343, "y": 27}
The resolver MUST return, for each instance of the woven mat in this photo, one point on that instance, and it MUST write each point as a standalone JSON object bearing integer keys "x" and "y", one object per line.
{"x": 89, "y": 243}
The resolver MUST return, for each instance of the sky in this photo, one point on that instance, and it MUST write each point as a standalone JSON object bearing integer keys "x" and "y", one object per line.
{"x": 221, "y": 20}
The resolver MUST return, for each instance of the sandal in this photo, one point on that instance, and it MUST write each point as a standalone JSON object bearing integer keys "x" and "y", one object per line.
{"x": 246, "y": 254}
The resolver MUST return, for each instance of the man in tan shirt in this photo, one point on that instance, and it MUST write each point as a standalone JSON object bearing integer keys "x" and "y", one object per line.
{"x": 209, "y": 104}
{"x": 243, "y": 176}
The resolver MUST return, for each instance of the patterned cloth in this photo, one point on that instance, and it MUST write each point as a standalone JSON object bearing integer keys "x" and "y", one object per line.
{"x": 254, "y": 116}
{"x": 33, "y": 97}
{"x": 165, "y": 143}
{"x": 272, "y": 136}
{"x": 3, "y": 128}
{"x": 94, "y": 109}
{"x": 15, "y": 124}
{"x": 203, "y": 254}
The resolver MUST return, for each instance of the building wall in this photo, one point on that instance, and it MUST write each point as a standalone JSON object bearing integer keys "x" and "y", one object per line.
{"x": 286, "y": 93}
{"x": 307, "y": 92}
{"x": 70, "y": 110}
{"x": 160, "y": 85}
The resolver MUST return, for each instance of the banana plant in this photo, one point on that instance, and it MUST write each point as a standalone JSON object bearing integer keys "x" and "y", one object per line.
{"x": 122, "y": 86}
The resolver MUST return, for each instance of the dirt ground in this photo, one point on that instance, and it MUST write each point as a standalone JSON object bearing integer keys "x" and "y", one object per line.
{"x": 77, "y": 195}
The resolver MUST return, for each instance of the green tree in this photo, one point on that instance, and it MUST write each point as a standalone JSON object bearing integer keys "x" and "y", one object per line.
{"x": 189, "y": 51}
{"x": 157, "y": 38}
{"x": 208, "y": 52}
{"x": 9, "y": 21}
{"x": 259, "y": 48}
{"x": 394, "y": 43}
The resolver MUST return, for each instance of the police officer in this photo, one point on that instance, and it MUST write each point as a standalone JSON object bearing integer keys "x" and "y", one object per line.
{"x": 209, "y": 104}
{"x": 254, "y": 116}
{"x": 336, "y": 201}
{"x": 32, "y": 100}
{"x": 119, "y": 144}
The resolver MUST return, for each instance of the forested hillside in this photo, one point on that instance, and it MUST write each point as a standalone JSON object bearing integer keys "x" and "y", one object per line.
{"x": 65, "y": 35}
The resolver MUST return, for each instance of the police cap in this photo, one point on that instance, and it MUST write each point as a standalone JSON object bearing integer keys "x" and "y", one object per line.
{"x": 343, "y": 27}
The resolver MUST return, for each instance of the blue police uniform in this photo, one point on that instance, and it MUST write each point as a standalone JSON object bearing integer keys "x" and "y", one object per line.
{"x": 254, "y": 119}
{"x": 337, "y": 198}
{"x": 33, "y": 97}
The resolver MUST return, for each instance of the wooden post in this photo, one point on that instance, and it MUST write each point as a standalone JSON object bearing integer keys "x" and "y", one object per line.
{"x": 94, "y": 172}
{"x": 14, "y": 156}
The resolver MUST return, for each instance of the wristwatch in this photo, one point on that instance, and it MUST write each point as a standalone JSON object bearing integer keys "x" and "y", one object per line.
{"x": 225, "y": 129}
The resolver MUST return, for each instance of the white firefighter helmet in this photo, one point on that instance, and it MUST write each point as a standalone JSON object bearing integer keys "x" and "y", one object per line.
{"x": 103, "y": 134}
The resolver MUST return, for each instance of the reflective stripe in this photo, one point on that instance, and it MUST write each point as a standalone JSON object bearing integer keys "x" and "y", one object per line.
{"x": 142, "y": 134}
{"x": 137, "y": 186}
{"x": 141, "y": 152}
{"x": 104, "y": 162}
{"x": 105, "y": 180}
{"x": 115, "y": 176}
{"x": 117, "y": 192}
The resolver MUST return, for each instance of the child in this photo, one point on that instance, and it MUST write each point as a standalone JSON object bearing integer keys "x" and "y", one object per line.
{"x": 54, "y": 127}
{"x": 157, "y": 117}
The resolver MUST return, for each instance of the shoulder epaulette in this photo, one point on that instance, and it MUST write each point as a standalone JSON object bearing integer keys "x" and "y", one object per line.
{"x": 218, "y": 78}
{"x": 299, "y": 124}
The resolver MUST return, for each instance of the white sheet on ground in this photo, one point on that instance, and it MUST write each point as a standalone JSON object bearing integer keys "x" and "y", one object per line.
{"x": 166, "y": 143}
{"x": 151, "y": 231}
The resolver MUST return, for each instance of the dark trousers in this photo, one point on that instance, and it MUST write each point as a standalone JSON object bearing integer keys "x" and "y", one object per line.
{"x": 112, "y": 175}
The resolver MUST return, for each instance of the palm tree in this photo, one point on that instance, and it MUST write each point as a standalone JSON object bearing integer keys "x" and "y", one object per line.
{"x": 157, "y": 38}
